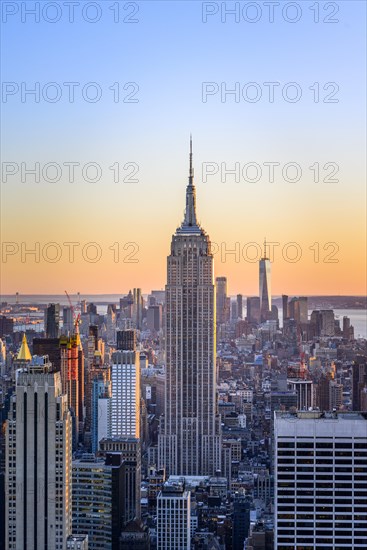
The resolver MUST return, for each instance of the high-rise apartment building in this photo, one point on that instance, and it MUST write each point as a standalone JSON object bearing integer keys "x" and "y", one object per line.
{"x": 348, "y": 329}
{"x": 67, "y": 321}
{"x": 223, "y": 312}
{"x": 50, "y": 347}
{"x": 320, "y": 480}
{"x": 111, "y": 324}
{"x": 323, "y": 392}
{"x": 126, "y": 340}
{"x": 359, "y": 383}
{"x": 285, "y": 307}
{"x": 154, "y": 317}
{"x": 6, "y": 325}
{"x": 72, "y": 379}
{"x": 52, "y": 320}
{"x": 253, "y": 309}
{"x": 241, "y": 521}
{"x": 101, "y": 410}
{"x": 95, "y": 370}
{"x": 130, "y": 450}
{"x": 323, "y": 321}
{"x": 239, "y": 300}
{"x": 173, "y": 517}
{"x": 125, "y": 386}
{"x": 335, "y": 395}
{"x": 98, "y": 491}
{"x": 137, "y": 308}
{"x": 234, "y": 311}
{"x": 189, "y": 440}
{"x": 38, "y": 461}
{"x": 298, "y": 309}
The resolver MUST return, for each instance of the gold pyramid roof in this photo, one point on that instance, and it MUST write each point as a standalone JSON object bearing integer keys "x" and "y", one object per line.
{"x": 24, "y": 353}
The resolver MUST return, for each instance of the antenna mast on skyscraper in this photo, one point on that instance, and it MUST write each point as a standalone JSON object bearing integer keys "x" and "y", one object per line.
{"x": 191, "y": 171}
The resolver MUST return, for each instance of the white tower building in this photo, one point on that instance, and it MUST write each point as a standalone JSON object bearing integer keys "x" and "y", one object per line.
{"x": 173, "y": 521}
{"x": 38, "y": 461}
{"x": 125, "y": 401}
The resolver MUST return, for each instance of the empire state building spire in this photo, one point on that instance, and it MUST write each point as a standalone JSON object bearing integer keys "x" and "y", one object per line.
{"x": 190, "y": 212}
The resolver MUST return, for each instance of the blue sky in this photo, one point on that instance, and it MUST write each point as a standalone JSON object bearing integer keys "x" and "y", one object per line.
{"x": 169, "y": 53}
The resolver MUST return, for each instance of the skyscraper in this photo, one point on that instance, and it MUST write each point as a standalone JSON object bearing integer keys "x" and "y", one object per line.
{"x": 126, "y": 340}
{"x": 38, "y": 461}
{"x": 98, "y": 499}
{"x": 130, "y": 450}
{"x": 348, "y": 330}
{"x": 173, "y": 521}
{"x": 137, "y": 310}
{"x": 241, "y": 521}
{"x": 52, "y": 320}
{"x": 234, "y": 312}
{"x": 154, "y": 318}
{"x": 323, "y": 321}
{"x": 221, "y": 297}
{"x": 253, "y": 309}
{"x": 265, "y": 286}
{"x": 298, "y": 310}
{"x": 50, "y": 347}
{"x": 239, "y": 306}
{"x": 101, "y": 409}
{"x": 125, "y": 384}
{"x": 285, "y": 307}
{"x": 359, "y": 383}
{"x": 189, "y": 440}
{"x": 72, "y": 379}
{"x": 320, "y": 480}
{"x": 67, "y": 321}
{"x": 111, "y": 323}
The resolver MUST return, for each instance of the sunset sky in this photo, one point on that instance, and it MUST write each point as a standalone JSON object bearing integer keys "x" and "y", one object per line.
{"x": 169, "y": 53}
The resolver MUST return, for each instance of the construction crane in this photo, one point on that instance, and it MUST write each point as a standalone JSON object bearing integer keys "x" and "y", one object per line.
{"x": 76, "y": 318}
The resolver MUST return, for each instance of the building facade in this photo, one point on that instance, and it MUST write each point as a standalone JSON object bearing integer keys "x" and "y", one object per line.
{"x": 265, "y": 286}
{"x": 320, "y": 480}
{"x": 189, "y": 439}
{"x": 38, "y": 461}
{"x": 130, "y": 450}
{"x": 98, "y": 490}
{"x": 223, "y": 312}
{"x": 305, "y": 392}
{"x": 173, "y": 517}
{"x": 125, "y": 387}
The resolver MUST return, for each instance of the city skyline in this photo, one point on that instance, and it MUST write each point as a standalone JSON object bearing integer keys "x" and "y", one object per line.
{"x": 183, "y": 275}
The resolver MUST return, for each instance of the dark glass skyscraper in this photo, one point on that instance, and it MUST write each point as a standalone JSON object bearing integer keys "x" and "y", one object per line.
{"x": 52, "y": 320}
{"x": 264, "y": 286}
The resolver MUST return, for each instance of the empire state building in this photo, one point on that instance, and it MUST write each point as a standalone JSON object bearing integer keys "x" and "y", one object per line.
{"x": 189, "y": 440}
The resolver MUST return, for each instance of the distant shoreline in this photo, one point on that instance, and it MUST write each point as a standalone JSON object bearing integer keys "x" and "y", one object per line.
{"x": 332, "y": 301}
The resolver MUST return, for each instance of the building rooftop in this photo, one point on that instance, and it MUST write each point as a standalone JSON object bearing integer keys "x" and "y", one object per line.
{"x": 319, "y": 415}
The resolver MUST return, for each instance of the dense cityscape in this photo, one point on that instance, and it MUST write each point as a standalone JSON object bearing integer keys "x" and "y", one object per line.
{"x": 185, "y": 418}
